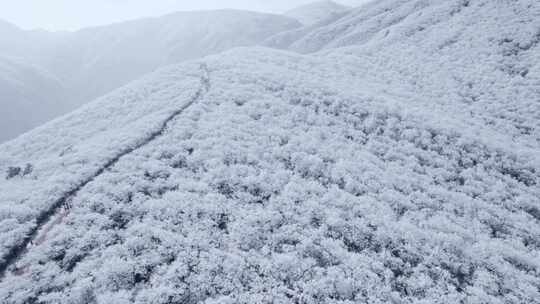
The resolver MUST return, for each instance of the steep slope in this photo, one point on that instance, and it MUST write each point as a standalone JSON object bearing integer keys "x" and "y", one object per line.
{"x": 28, "y": 97}
{"x": 359, "y": 26}
{"x": 92, "y": 62}
{"x": 261, "y": 176}
{"x": 316, "y": 12}
{"x": 487, "y": 66}
{"x": 285, "y": 39}
{"x": 322, "y": 16}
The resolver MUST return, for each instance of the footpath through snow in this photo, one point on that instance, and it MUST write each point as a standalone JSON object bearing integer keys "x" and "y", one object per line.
{"x": 50, "y": 218}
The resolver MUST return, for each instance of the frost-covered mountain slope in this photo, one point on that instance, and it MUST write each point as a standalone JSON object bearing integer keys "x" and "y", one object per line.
{"x": 479, "y": 58}
{"x": 263, "y": 176}
{"x": 316, "y": 12}
{"x": 360, "y": 25}
{"x": 294, "y": 181}
{"x": 285, "y": 39}
{"x": 92, "y": 62}
{"x": 325, "y": 16}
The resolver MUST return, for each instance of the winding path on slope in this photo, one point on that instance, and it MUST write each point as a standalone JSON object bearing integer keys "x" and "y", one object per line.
{"x": 47, "y": 220}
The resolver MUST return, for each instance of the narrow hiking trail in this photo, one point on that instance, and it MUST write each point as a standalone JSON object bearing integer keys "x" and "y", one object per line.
{"x": 60, "y": 209}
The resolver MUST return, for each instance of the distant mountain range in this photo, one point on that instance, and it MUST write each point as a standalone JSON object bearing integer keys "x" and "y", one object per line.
{"x": 89, "y": 63}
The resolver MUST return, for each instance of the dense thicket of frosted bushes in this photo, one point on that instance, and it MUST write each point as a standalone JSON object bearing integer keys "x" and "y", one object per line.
{"x": 477, "y": 59}
{"x": 70, "y": 150}
{"x": 347, "y": 177}
{"x": 275, "y": 188}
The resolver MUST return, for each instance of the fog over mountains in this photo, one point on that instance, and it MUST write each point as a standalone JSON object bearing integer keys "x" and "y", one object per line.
{"x": 316, "y": 12}
{"x": 388, "y": 153}
{"x": 72, "y": 68}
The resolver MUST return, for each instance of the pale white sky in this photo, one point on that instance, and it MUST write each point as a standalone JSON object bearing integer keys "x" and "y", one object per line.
{"x": 75, "y": 14}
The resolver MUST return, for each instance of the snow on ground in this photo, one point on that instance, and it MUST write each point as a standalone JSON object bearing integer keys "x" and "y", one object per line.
{"x": 69, "y": 150}
{"x": 355, "y": 175}
{"x": 478, "y": 59}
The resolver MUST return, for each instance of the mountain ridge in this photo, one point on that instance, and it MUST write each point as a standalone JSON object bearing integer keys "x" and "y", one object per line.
{"x": 92, "y": 62}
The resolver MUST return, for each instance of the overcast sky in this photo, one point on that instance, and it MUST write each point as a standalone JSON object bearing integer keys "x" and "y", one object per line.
{"x": 75, "y": 14}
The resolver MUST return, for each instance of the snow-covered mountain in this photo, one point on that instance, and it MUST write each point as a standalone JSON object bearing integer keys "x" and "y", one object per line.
{"x": 316, "y": 12}
{"x": 397, "y": 164}
{"x": 29, "y": 93}
{"x": 28, "y": 97}
{"x": 438, "y": 51}
{"x": 313, "y": 16}
{"x": 94, "y": 61}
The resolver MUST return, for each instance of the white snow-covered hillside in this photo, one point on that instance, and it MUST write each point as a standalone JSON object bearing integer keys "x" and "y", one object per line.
{"x": 371, "y": 172}
{"x": 94, "y": 61}
{"x": 478, "y": 59}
